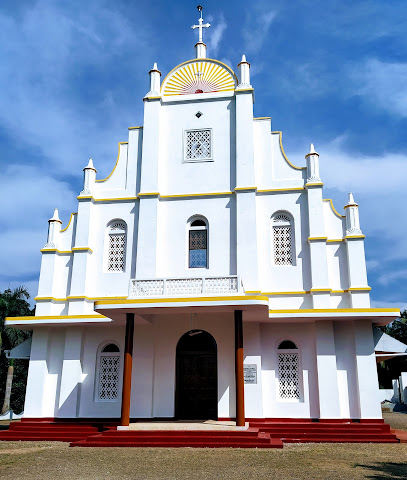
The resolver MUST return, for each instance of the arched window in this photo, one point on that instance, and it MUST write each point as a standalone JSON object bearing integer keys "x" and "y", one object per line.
{"x": 108, "y": 373}
{"x": 116, "y": 246}
{"x": 288, "y": 371}
{"x": 282, "y": 239}
{"x": 198, "y": 243}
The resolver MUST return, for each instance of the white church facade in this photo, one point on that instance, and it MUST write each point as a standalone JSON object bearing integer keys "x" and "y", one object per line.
{"x": 206, "y": 277}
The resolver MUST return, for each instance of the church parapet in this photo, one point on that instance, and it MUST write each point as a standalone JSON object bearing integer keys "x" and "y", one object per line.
{"x": 227, "y": 285}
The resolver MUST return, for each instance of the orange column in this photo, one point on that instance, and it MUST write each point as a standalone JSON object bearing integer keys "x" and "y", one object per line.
{"x": 240, "y": 418}
{"x": 128, "y": 362}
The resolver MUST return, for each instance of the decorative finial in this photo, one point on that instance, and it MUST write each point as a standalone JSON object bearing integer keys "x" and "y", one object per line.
{"x": 201, "y": 25}
{"x": 351, "y": 200}
{"x": 55, "y": 217}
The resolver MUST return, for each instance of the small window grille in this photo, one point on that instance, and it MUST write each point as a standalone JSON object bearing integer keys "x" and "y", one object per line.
{"x": 288, "y": 376}
{"x": 198, "y": 145}
{"x": 282, "y": 240}
{"x": 197, "y": 248}
{"x": 116, "y": 247}
{"x": 109, "y": 370}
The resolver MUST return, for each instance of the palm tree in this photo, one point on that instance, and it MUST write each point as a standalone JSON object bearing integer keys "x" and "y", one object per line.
{"x": 12, "y": 303}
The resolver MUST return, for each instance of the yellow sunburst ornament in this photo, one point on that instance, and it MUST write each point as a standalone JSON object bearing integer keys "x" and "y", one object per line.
{"x": 196, "y": 77}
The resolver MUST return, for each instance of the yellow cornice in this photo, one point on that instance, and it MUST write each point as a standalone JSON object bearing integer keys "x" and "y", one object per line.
{"x": 82, "y": 249}
{"x": 338, "y": 310}
{"x": 261, "y": 118}
{"x": 350, "y": 205}
{"x": 315, "y": 184}
{"x": 148, "y": 194}
{"x": 53, "y": 317}
{"x": 321, "y": 290}
{"x": 230, "y": 298}
{"x": 134, "y": 128}
{"x": 315, "y": 239}
{"x": 360, "y": 289}
{"x": 333, "y": 208}
{"x": 240, "y": 90}
{"x": 289, "y": 189}
{"x": 283, "y": 152}
{"x": 116, "y": 199}
{"x": 335, "y": 240}
{"x": 242, "y": 189}
{"x": 114, "y": 168}
{"x": 354, "y": 237}
{"x": 340, "y": 291}
{"x": 55, "y": 250}
{"x": 186, "y": 195}
{"x": 300, "y": 292}
{"x": 158, "y": 97}
{"x": 79, "y": 297}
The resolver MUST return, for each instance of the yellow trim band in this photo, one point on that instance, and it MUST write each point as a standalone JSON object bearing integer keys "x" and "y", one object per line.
{"x": 350, "y": 237}
{"x": 231, "y": 298}
{"x": 70, "y": 220}
{"x": 82, "y": 249}
{"x": 301, "y": 292}
{"x": 339, "y": 310}
{"x": 186, "y": 195}
{"x": 360, "y": 289}
{"x": 261, "y": 118}
{"x": 333, "y": 208}
{"x": 134, "y": 128}
{"x": 114, "y": 168}
{"x": 316, "y": 184}
{"x": 53, "y": 317}
{"x": 55, "y": 250}
{"x": 335, "y": 240}
{"x": 283, "y": 152}
{"x": 271, "y": 190}
{"x": 242, "y": 189}
{"x": 321, "y": 290}
{"x": 312, "y": 239}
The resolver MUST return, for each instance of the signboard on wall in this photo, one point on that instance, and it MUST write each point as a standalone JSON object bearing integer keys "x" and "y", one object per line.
{"x": 250, "y": 373}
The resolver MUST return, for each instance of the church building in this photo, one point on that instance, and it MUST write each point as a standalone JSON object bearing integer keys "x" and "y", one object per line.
{"x": 206, "y": 277}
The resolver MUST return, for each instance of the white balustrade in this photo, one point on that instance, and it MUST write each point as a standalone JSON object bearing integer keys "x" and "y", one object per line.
{"x": 185, "y": 286}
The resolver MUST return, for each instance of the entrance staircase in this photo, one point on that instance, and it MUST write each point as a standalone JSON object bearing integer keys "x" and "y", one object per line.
{"x": 327, "y": 431}
{"x": 250, "y": 438}
{"x": 268, "y": 433}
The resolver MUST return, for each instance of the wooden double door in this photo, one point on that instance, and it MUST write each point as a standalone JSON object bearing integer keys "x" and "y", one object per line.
{"x": 196, "y": 391}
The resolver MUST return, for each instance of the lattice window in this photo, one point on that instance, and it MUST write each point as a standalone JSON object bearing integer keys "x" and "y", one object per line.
{"x": 282, "y": 240}
{"x": 197, "y": 248}
{"x": 109, "y": 370}
{"x": 288, "y": 376}
{"x": 198, "y": 145}
{"x": 116, "y": 255}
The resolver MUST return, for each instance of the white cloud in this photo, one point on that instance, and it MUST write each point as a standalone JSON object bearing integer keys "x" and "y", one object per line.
{"x": 28, "y": 197}
{"x": 215, "y": 36}
{"x": 59, "y": 59}
{"x": 256, "y": 29}
{"x": 378, "y": 185}
{"x": 392, "y": 276}
{"x": 383, "y": 84}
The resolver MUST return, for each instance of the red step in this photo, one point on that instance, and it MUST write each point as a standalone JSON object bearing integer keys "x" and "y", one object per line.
{"x": 327, "y": 431}
{"x": 181, "y": 438}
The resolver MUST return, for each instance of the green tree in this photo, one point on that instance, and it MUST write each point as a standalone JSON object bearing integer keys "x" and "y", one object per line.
{"x": 13, "y": 303}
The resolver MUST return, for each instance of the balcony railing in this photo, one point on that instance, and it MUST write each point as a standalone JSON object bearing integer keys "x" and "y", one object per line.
{"x": 159, "y": 287}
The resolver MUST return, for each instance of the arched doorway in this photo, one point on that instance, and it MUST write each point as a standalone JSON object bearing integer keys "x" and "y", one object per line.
{"x": 196, "y": 391}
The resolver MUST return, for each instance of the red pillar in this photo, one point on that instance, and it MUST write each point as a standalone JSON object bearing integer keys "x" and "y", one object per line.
{"x": 128, "y": 362}
{"x": 240, "y": 418}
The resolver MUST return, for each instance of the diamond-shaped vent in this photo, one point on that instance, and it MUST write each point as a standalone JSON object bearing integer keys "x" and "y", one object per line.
{"x": 198, "y": 114}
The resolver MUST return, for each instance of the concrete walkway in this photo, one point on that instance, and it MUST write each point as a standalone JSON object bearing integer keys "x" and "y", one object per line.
{"x": 187, "y": 425}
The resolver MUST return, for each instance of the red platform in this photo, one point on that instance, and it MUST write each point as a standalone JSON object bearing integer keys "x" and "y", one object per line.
{"x": 263, "y": 433}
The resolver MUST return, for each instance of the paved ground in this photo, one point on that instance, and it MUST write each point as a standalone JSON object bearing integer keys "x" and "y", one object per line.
{"x": 54, "y": 460}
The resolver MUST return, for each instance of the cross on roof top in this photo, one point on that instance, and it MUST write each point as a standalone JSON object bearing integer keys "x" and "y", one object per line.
{"x": 200, "y": 26}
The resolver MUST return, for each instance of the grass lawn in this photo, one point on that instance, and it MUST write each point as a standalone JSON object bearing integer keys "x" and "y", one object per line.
{"x": 54, "y": 460}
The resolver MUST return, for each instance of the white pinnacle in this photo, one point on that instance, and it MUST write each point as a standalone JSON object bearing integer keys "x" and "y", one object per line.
{"x": 351, "y": 200}
{"x": 90, "y": 163}
{"x": 155, "y": 66}
{"x": 311, "y": 148}
{"x": 55, "y": 217}
{"x": 244, "y": 58}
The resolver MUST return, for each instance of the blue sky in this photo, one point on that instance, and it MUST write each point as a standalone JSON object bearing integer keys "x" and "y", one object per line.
{"x": 73, "y": 75}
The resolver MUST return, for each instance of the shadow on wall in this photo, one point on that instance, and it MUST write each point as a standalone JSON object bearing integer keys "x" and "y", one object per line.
{"x": 385, "y": 470}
